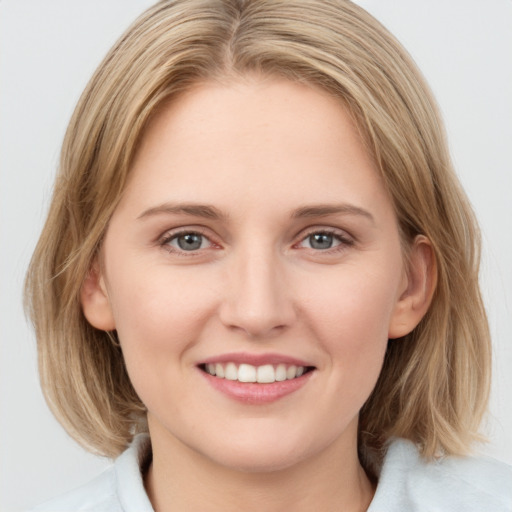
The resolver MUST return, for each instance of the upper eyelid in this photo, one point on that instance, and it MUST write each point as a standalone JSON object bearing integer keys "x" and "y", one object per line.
{"x": 164, "y": 240}
{"x": 169, "y": 234}
{"x": 345, "y": 240}
{"x": 342, "y": 233}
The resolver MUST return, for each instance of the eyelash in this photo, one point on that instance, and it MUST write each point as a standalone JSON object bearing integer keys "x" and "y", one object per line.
{"x": 342, "y": 238}
{"x": 164, "y": 242}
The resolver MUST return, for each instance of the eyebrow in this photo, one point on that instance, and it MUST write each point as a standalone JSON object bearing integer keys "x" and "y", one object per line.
{"x": 321, "y": 210}
{"x": 211, "y": 212}
{"x": 196, "y": 210}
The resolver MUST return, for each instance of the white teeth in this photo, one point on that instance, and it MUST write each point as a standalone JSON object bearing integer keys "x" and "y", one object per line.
{"x": 219, "y": 370}
{"x": 280, "y": 372}
{"x": 246, "y": 373}
{"x": 231, "y": 372}
{"x": 291, "y": 372}
{"x": 264, "y": 374}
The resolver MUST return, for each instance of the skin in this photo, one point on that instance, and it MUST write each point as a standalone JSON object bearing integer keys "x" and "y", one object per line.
{"x": 257, "y": 150}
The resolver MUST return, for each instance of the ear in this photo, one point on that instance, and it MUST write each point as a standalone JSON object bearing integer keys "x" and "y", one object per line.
{"x": 94, "y": 299}
{"x": 420, "y": 281}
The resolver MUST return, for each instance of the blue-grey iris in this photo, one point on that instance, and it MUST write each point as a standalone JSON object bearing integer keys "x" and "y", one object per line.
{"x": 190, "y": 241}
{"x": 321, "y": 241}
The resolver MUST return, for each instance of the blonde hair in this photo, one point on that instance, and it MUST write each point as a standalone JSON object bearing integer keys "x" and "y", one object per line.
{"x": 434, "y": 385}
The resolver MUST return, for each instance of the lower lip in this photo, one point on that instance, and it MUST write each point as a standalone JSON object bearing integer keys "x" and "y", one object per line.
{"x": 254, "y": 393}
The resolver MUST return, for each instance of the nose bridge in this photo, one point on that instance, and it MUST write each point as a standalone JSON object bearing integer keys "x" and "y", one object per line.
{"x": 256, "y": 299}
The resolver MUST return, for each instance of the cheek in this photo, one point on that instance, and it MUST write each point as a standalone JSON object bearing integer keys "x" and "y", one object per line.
{"x": 353, "y": 303}
{"x": 350, "y": 316}
{"x": 158, "y": 318}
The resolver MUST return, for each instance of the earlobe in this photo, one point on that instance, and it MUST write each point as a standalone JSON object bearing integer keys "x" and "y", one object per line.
{"x": 420, "y": 284}
{"x": 95, "y": 301}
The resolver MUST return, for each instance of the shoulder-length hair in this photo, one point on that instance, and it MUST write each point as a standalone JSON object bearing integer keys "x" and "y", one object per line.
{"x": 433, "y": 388}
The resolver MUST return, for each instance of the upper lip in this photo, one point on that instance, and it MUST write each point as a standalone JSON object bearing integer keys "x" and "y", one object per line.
{"x": 255, "y": 359}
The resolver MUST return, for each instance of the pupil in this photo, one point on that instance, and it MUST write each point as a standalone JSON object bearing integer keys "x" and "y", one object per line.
{"x": 321, "y": 241}
{"x": 190, "y": 242}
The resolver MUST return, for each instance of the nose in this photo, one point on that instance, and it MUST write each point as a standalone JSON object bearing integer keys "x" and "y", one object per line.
{"x": 257, "y": 298}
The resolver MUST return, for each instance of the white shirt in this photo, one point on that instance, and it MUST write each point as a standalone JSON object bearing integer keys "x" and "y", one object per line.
{"x": 407, "y": 483}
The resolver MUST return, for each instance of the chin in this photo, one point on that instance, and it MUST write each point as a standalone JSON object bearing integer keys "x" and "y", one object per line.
{"x": 260, "y": 461}
{"x": 262, "y": 454}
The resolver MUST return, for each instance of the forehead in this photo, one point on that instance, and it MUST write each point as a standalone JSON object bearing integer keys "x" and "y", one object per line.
{"x": 280, "y": 140}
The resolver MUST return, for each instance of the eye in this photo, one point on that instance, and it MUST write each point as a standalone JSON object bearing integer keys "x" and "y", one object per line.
{"x": 321, "y": 241}
{"x": 325, "y": 240}
{"x": 186, "y": 241}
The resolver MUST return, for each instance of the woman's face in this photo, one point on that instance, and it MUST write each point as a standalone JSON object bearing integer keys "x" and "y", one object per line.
{"x": 255, "y": 240}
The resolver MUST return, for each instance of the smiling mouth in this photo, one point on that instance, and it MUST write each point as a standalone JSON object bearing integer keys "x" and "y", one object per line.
{"x": 263, "y": 374}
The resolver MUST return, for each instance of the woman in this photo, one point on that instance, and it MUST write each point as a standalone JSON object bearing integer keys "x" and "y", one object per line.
{"x": 258, "y": 254}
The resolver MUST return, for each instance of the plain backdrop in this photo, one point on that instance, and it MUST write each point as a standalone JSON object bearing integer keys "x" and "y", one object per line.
{"x": 50, "y": 48}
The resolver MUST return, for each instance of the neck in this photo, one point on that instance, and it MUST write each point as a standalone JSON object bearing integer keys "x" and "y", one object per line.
{"x": 182, "y": 479}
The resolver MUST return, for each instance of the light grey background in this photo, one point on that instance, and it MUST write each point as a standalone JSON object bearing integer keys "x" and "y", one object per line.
{"x": 50, "y": 48}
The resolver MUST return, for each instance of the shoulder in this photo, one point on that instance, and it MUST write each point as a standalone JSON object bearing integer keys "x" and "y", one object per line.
{"x": 118, "y": 489}
{"x": 408, "y": 482}
{"x": 98, "y": 495}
